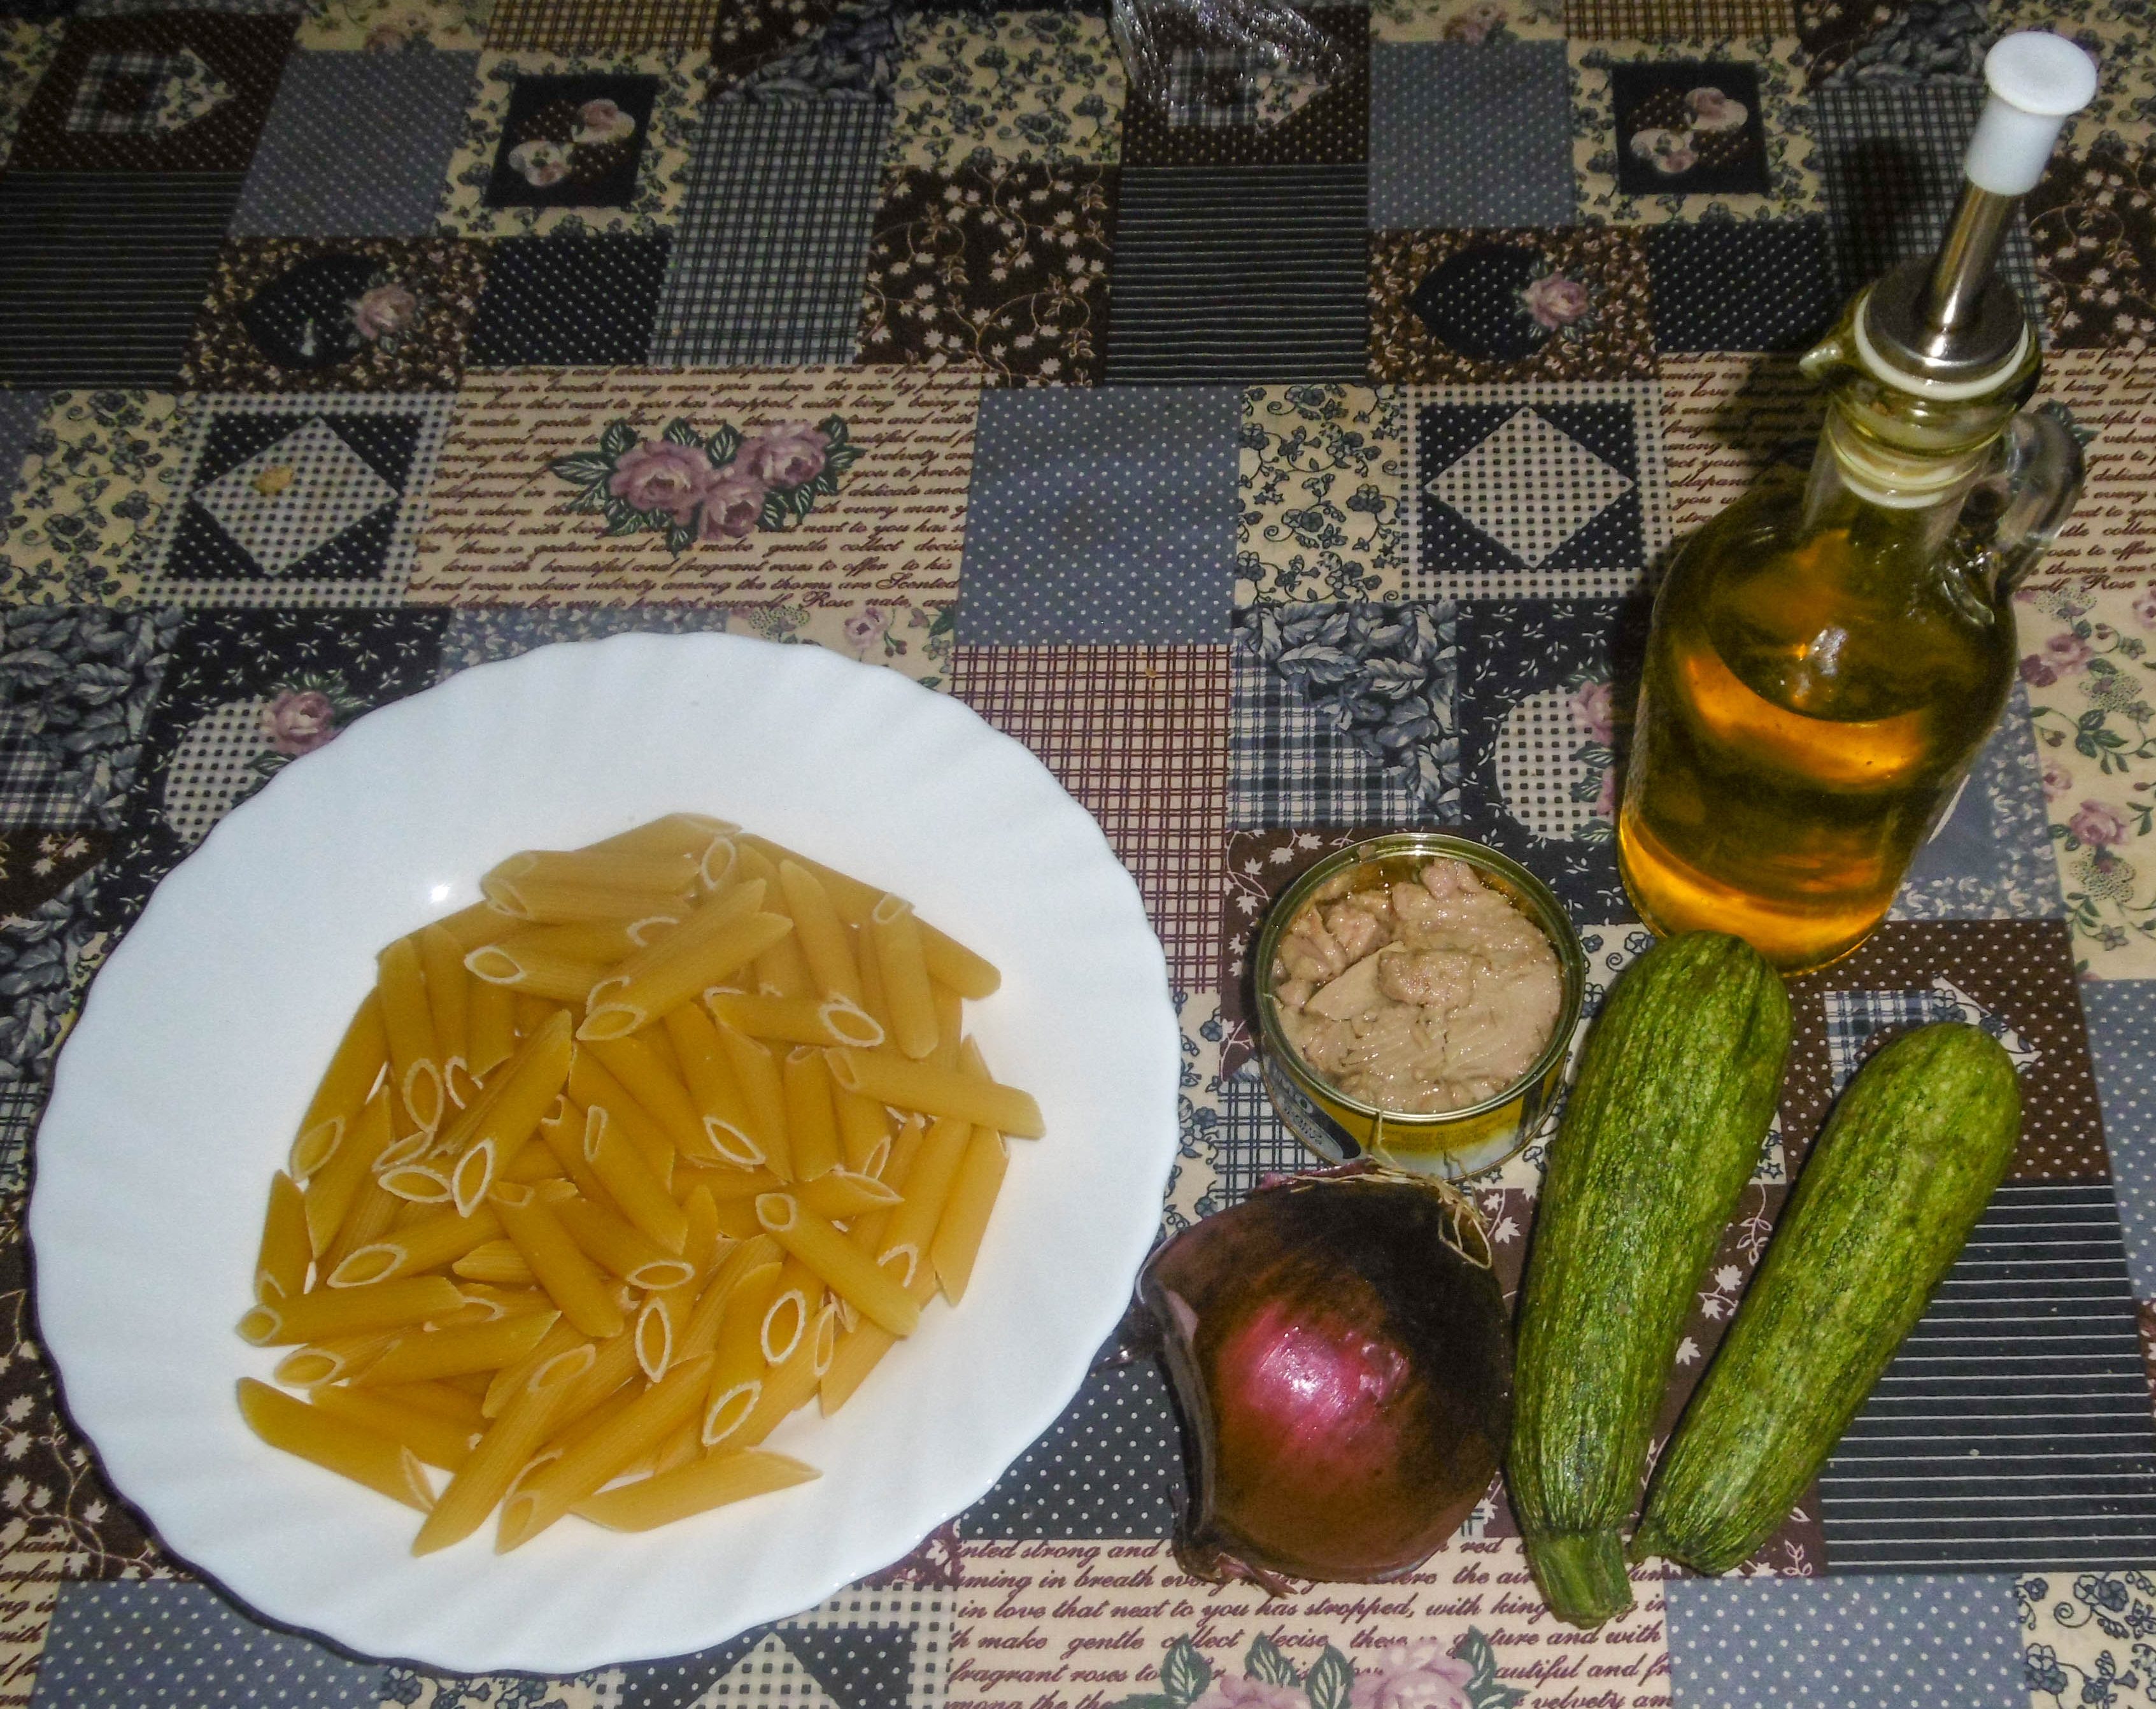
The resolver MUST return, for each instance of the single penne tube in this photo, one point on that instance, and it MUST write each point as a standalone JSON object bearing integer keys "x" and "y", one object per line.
{"x": 507, "y": 1383}
{"x": 537, "y": 972}
{"x": 748, "y": 1258}
{"x": 793, "y": 1306}
{"x": 702, "y": 1246}
{"x": 665, "y": 874}
{"x": 533, "y": 1164}
{"x": 373, "y": 1212}
{"x": 721, "y": 1107}
{"x": 605, "y": 1454}
{"x": 506, "y": 1302}
{"x": 416, "y": 1183}
{"x": 533, "y": 1011}
{"x": 407, "y": 1144}
{"x": 874, "y": 998}
{"x": 726, "y": 1181}
{"x": 848, "y": 1272}
{"x": 897, "y": 938}
{"x": 927, "y": 1188}
{"x": 476, "y": 1488}
{"x": 713, "y": 1482}
{"x": 357, "y": 1064}
{"x": 637, "y": 1001}
{"x": 547, "y": 901}
{"x": 675, "y": 833}
{"x": 441, "y": 1239}
{"x": 950, "y": 1026}
{"x": 335, "y": 1187}
{"x": 864, "y": 1129}
{"x": 574, "y": 1426}
{"x": 613, "y": 1364}
{"x": 495, "y": 1262}
{"x": 841, "y": 1195}
{"x": 407, "y": 1024}
{"x": 557, "y": 1264}
{"x": 738, "y": 1366}
{"x": 866, "y": 1229}
{"x": 782, "y": 972}
{"x": 490, "y": 1023}
{"x": 452, "y": 1352}
{"x": 682, "y": 1448}
{"x": 438, "y": 1400}
{"x": 433, "y": 1440}
{"x": 789, "y": 1386}
{"x": 714, "y": 917}
{"x": 640, "y": 1195}
{"x": 562, "y": 1134}
{"x": 660, "y": 1321}
{"x": 812, "y": 1130}
{"x": 281, "y": 1265}
{"x": 657, "y": 1090}
{"x": 332, "y": 1360}
{"x": 522, "y": 1092}
{"x": 324, "y": 1314}
{"x": 966, "y": 1210}
{"x": 715, "y": 867}
{"x": 825, "y": 941}
{"x": 861, "y": 1349}
{"x": 949, "y": 961}
{"x": 481, "y": 923}
{"x": 763, "y": 1090}
{"x": 591, "y": 1085}
{"x": 604, "y": 942}
{"x": 335, "y": 1443}
{"x": 796, "y": 1020}
{"x": 736, "y": 1218}
{"x": 938, "y": 1091}
{"x": 620, "y": 1247}
{"x": 442, "y": 963}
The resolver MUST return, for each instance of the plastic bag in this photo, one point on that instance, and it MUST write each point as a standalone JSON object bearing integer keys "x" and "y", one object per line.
{"x": 1224, "y": 62}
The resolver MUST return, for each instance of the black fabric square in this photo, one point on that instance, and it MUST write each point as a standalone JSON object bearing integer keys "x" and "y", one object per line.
{"x": 1689, "y": 127}
{"x": 569, "y": 300}
{"x": 1472, "y": 302}
{"x": 572, "y": 141}
{"x": 1755, "y": 284}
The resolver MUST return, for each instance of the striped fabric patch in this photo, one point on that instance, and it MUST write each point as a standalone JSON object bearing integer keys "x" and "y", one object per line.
{"x": 2013, "y": 1428}
{"x": 102, "y": 273}
{"x": 1249, "y": 275}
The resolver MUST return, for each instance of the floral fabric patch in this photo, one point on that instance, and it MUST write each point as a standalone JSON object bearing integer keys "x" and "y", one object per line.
{"x": 1690, "y": 128}
{"x": 1559, "y": 304}
{"x": 1321, "y": 475}
{"x": 26, "y": 49}
{"x": 1005, "y": 267}
{"x": 1016, "y": 86}
{"x": 2117, "y": 35}
{"x": 2093, "y": 224}
{"x": 356, "y": 315}
{"x": 752, "y": 33}
{"x": 2084, "y": 1639}
{"x": 88, "y": 500}
{"x": 554, "y": 144}
{"x": 393, "y": 26}
{"x": 1472, "y": 21}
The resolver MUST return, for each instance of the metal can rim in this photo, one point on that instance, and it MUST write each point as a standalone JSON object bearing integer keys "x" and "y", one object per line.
{"x": 1520, "y": 884}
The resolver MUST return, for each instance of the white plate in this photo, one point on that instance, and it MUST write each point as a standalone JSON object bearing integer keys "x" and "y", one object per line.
{"x": 179, "y": 1092}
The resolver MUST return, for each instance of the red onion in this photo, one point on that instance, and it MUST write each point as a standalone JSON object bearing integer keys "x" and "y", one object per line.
{"x": 1343, "y": 1370}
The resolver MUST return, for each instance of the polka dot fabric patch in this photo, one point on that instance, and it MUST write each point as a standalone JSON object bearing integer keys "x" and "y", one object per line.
{"x": 1919, "y": 1643}
{"x": 1101, "y": 516}
{"x": 2122, "y": 1028}
{"x": 565, "y": 300}
{"x": 1765, "y": 285}
{"x": 1468, "y": 135}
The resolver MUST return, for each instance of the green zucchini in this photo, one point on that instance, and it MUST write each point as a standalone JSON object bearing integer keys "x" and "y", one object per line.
{"x": 1882, "y": 1209}
{"x": 1676, "y": 1090}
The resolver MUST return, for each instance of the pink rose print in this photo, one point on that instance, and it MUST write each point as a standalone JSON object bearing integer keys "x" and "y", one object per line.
{"x": 864, "y": 628}
{"x": 1228, "y": 1692}
{"x": 661, "y": 475}
{"x": 2144, "y": 607}
{"x": 387, "y": 38}
{"x": 384, "y": 311}
{"x": 2037, "y": 673}
{"x": 732, "y": 501}
{"x": 603, "y": 121}
{"x": 2067, "y": 654}
{"x": 1476, "y": 23}
{"x": 1605, "y": 798}
{"x": 2058, "y": 780}
{"x": 1668, "y": 151}
{"x": 1713, "y": 110}
{"x": 2099, "y": 825}
{"x": 298, "y": 721}
{"x": 540, "y": 162}
{"x": 1555, "y": 300}
{"x": 792, "y": 455}
{"x": 1417, "y": 1676}
{"x": 1591, "y": 703}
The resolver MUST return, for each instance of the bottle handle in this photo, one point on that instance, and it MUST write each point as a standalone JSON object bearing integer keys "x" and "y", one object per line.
{"x": 2034, "y": 484}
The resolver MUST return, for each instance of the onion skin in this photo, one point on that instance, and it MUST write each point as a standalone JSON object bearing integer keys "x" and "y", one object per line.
{"x": 1344, "y": 1377}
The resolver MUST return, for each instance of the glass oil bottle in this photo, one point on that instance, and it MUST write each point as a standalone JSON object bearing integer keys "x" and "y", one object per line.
{"x": 1825, "y": 661}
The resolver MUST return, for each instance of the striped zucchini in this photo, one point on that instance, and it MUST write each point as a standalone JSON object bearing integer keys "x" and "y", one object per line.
{"x": 1882, "y": 1209}
{"x": 1664, "y": 1127}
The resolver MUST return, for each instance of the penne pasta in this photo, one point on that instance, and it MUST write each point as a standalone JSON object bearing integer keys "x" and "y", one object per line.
{"x": 521, "y": 1093}
{"x": 535, "y": 972}
{"x": 507, "y": 1383}
{"x": 551, "y": 902}
{"x": 641, "y": 1198}
{"x": 452, "y": 1352}
{"x": 408, "y": 1024}
{"x": 738, "y": 1362}
{"x": 432, "y": 1438}
{"x": 847, "y": 1272}
{"x": 619, "y": 1009}
{"x": 938, "y": 1091}
{"x": 897, "y": 939}
{"x": 812, "y": 1130}
{"x": 481, "y": 923}
{"x": 439, "y": 1400}
{"x": 665, "y": 874}
{"x": 490, "y": 1023}
{"x": 495, "y": 1262}
{"x": 617, "y": 1246}
{"x": 720, "y": 1106}
{"x": 713, "y": 918}
{"x": 715, "y": 1480}
{"x": 591, "y": 1084}
{"x": 842, "y": 1195}
{"x": 561, "y": 1132}
{"x": 676, "y": 833}
{"x": 533, "y": 1012}
{"x": 657, "y": 1091}
{"x": 372, "y": 1213}
{"x": 797, "y": 1020}
{"x": 913, "y": 1224}
{"x": 281, "y": 1264}
{"x": 321, "y": 1316}
{"x": 861, "y": 1349}
{"x": 974, "y": 1187}
{"x": 949, "y": 961}
{"x": 332, "y": 1360}
{"x": 763, "y": 1091}
{"x": 336, "y": 1445}
{"x": 746, "y": 1261}
{"x": 874, "y": 997}
{"x": 337, "y": 1186}
{"x": 825, "y": 944}
{"x": 441, "y": 1239}
{"x": 789, "y": 1386}
{"x": 415, "y": 1183}
{"x": 360, "y": 1057}
{"x": 477, "y": 1487}
{"x": 557, "y": 1264}
{"x": 442, "y": 964}
{"x": 950, "y": 1026}
{"x": 782, "y": 971}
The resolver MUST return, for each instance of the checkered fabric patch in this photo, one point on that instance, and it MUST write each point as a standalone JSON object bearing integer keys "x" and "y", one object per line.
{"x": 1288, "y": 765}
{"x": 1139, "y": 735}
{"x": 118, "y": 95}
{"x": 1854, "y": 1018}
{"x": 1647, "y": 20}
{"x": 1889, "y": 159}
{"x": 607, "y": 27}
{"x": 772, "y": 250}
{"x": 1216, "y": 88}
{"x": 1254, "y": 1142}
{"x": 34, "y": 786}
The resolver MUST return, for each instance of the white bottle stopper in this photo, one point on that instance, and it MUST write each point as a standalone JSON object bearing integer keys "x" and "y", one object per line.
{"x": 2038, "y": 81}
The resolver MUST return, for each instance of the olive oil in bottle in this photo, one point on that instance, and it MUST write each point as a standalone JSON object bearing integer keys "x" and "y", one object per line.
{"x": 1826, "y": 660}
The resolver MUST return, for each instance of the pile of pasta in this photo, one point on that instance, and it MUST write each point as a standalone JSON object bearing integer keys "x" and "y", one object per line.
{"x": 615, "y": 1170}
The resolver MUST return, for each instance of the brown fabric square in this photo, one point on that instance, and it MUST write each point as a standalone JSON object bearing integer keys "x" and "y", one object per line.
{"x": 2093, "y": 225}
{"x": 612, "y": 28}
{"x": 1449, "y": 305}
{"x": 751, "y": 32}
{"x": 1331, "y": 127}
{"x": 213, "y": 131}
{"x": 1006, "y": 267}
{"x": 1831, "y": 30}
{"x": 1645, "y": 20}
{"x": 337, "y": 314}
{"x": 2020, "y": 971}
{"x": 1139, "y": 734}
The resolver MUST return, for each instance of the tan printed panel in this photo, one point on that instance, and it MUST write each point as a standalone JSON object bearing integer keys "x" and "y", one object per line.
{"x": 1728, "y": 421}
{"x": 525, "y": 444}
{"x": 2112, "y": 393}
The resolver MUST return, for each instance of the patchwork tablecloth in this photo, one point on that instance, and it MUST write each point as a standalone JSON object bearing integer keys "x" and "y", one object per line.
{"x": 1278, "y": 458}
